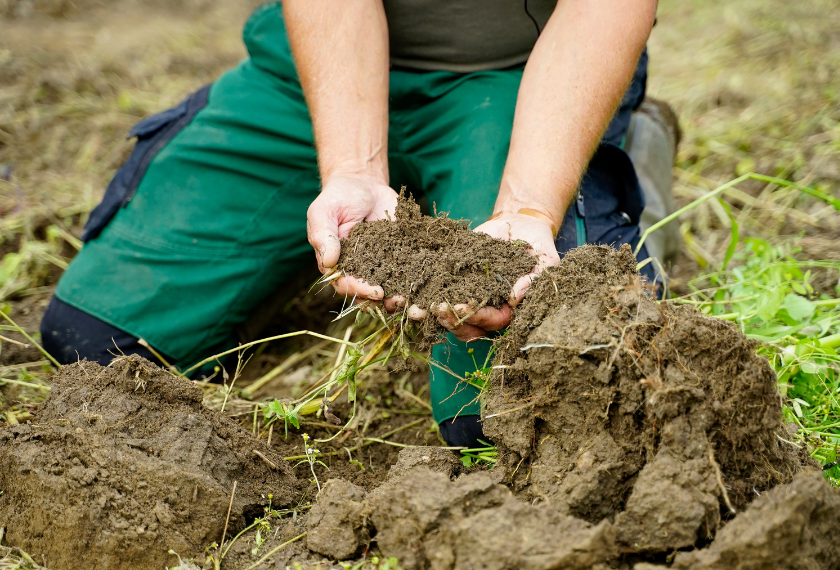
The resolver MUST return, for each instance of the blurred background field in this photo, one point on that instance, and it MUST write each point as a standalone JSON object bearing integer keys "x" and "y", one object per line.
{"x": 755, "y": 83}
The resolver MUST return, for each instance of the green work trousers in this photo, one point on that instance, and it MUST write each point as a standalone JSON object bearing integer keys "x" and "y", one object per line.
{"x": 217, "y": 220}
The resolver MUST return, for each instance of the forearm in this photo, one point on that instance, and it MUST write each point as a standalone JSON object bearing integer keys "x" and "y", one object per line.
{"x": 572, "y": 85}
{"x": 341, "y": 55}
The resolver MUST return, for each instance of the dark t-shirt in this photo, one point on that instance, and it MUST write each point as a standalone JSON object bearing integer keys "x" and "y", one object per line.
{"x": 464, "y": 35}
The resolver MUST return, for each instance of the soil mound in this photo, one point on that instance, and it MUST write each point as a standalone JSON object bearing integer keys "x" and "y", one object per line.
{"x": 631, "y": 434}
{"x": 610, "y": 405}
{"x": 431, "y": 260}
{"x": 124, "y": 463}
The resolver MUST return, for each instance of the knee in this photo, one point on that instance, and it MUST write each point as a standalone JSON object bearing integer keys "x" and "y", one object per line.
{"x": 463, "y": 431}
{"x": 70, "y": 335}
{"x": 58, "y": 334}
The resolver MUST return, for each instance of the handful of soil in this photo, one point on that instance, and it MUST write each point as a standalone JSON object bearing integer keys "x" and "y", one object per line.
{"x": 431, "y": 260}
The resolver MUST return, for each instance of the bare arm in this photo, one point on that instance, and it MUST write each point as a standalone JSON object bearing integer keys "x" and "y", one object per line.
{"x": 572, "y": 85}
{"x": 341, "y": 55}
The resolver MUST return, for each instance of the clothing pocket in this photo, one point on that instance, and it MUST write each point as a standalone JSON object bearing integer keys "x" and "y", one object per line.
{"x": 152, "y": 133}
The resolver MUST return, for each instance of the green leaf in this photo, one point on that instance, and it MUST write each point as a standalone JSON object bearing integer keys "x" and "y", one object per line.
{"x": 798, "y": 307}
{"x": 798, "y": 287}
{"x": 811, "y": 367}
{"x": 276, "y": 408}
{"x": 768, "y": 304}
{"x": 351, "y": 388}
{"x": 783, "y": 383}
{"x": 744, "y": 166}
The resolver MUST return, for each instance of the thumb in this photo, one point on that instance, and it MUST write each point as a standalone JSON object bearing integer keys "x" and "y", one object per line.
{"x": 322, "y": 231}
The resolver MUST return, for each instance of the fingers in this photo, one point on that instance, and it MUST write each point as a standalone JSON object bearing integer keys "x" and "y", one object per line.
{"x": 416, "y": 313}
{"x": 467, "y": 333}
{"x": 449, "y": 319}
{"x": 487, "y": 318}
{"x": 385, "y": 207}
{"x": 520, "y": 288}
{"x": 467, "y": 324}
{"x": 392, "y": 304}
{"x": 352, "y": 287}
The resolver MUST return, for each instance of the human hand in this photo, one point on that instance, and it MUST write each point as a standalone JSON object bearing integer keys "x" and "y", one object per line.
{"x": 537, "y": 231}
{"x": 468, "y": 323}
{"x": 344, "y": 201}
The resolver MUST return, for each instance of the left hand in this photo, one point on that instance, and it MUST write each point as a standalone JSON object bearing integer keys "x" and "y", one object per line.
{"x": 508, "y": 226}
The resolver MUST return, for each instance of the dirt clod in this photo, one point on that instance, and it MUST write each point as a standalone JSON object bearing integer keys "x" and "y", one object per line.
{"x": 517, "y": 535}
{"x": 435, "y": 458}
{"x": 337, "y": 524}
{"x": 429, "y": 521}
{"x": 404, "y": 512}
{"x": 674, "y": 504}
{"x": 611, "y": 405}
{"x": 124, "y": 463}
{"x": 793, "y": 526}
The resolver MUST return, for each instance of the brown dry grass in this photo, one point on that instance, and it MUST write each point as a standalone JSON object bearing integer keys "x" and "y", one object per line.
{"x": 72, "y": 85}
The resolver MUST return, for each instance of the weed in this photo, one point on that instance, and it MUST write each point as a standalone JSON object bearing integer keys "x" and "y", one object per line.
{"x": 351, "y": 359}
{"x": 479, "y": 455}
{"x": 263, "y": 525}
{"x": 373, "y": 563}
{"x": 311, "y": 458}
{"x": 216, "y": 553}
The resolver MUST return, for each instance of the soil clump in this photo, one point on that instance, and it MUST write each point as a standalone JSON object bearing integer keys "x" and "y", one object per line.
{"x": 608, "y": 405}
{"x": 430, "y": 520}
{"x": 430, "y": 260}
{"x": 123, "y": 463}
{"x": 792, "y": 526}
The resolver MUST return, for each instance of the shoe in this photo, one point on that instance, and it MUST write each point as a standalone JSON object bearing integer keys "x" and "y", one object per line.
{"x": 652, "y": 140}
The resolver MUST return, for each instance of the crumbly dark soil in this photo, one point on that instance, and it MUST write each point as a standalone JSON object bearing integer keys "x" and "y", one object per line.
{"x": 124, "y": 463}
{"x": 626, "y": 429}
{"x": 432, "y": 260}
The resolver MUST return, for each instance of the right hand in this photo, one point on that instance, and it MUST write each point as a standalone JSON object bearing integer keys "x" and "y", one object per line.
{"x": 344, "y": 201}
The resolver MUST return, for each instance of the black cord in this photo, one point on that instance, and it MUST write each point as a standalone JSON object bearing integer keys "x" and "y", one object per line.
{"x": 536, "y": 25}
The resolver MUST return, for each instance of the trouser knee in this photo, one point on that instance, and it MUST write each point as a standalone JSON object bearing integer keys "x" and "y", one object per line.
{"x": 463, "y": 431}
{"x": 70, "y": 335}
